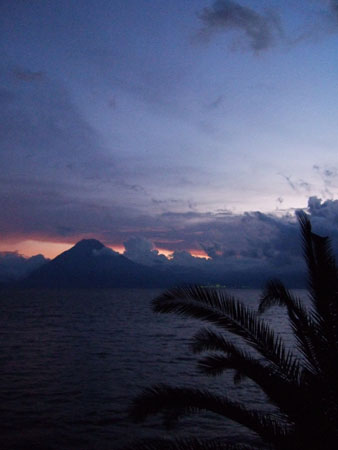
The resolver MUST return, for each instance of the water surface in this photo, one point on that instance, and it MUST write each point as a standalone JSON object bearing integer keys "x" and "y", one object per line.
{"x": 71, "y": 362}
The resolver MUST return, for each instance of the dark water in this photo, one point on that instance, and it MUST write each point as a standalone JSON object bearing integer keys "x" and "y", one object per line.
{"x": 72, "y": 361}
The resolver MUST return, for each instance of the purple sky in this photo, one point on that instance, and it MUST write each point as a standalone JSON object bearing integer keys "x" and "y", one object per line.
{"x": 181, "y": 125}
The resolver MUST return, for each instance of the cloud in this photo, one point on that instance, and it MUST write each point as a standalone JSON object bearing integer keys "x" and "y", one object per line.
{"x": 59, "y": 184}
{"x": 290, "y": 183}
{"x": 297, "y": 185}
{"x": 328, "y": 174}
{"x": 14, "y": 266}
{"x": 185, "y": 259}
{"x": 105, "y": 251}
{"x": 324, "y": 213}
{"x": 142, "y": 251}
{"x": 324, "y": 219}
{"x": 329, "y": 178}
{"x": 244, "y": 249}
{"x": 260, "y": 30}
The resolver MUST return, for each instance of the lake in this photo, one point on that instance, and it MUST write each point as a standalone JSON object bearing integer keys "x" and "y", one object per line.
{"x": 72, "y": 361}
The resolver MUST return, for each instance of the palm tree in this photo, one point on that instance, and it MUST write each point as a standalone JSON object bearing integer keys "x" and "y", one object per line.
{"x": 302, "y": 385}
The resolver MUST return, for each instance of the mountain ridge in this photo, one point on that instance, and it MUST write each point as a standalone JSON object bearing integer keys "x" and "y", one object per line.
{"x": 90, "y": 264}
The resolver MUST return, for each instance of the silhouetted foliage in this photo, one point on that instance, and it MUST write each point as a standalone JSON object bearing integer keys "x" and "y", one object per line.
{"x": 302, "y": 385}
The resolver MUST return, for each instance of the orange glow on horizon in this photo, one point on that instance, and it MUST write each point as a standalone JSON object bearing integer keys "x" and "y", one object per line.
{"x": 165, "y": 252}
{"x": 196, "y": 253}
{"x": 117, "y": 248}
{"x": 199, "y": 254}
{"x": 31, "y": 247}
{"x": 50, "y": 249}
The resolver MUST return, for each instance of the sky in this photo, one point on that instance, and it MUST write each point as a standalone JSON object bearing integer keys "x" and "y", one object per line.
{"x": 189, "y": 126}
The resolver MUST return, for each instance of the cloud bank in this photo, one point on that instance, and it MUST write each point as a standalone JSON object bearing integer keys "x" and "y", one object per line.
{"x": 14, "y": 266}
{"x": 243, "y": 250}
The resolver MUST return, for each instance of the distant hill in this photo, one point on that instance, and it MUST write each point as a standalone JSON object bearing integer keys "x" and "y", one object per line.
{"x": 89, "y": 264}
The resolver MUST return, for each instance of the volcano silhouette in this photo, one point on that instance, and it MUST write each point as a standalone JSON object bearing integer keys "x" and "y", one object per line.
{"x": 89, "y": 264}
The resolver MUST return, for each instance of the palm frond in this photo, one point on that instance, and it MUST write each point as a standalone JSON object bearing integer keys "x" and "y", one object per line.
{"x": 220, "y": 309}
{"x": 304, "y": 389}
{"x": 284, "y": 394}
{"x": 183, "y": 401}
{"x": 207, "y": 339}
{"x": 236, "y": 358}
{"x": 214, "y": 364}
{"x": 323, "y": 288}
{"x": 301, "y": 322}
{"x": 322, "y": 271}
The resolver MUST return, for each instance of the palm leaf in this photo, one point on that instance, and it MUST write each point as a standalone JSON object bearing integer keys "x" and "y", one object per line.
{"x": 323, "y": 288}
{"x": 218, "y": 308}
{"x": 322, "y": 273}
{"x": 304, "y": 389}
{"x": 164, "y": 398}
{"x": 284, "y": 394}
{"x": 301, "y": 322}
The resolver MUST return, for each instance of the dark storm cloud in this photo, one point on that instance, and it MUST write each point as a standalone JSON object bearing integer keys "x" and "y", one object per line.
{"x": 253, "y": 235}
{"x": 142, "y": 251}
{"x": 245, "y": 249}
{"x": 324, "y": 219}
{"x": 325, "y": 213}
{"x": 14, "y": 266}
{"x": 235, "y": 244}
{"x": 224, "y": 236}
{"x": 185, "y": 259}
{"x": 260, "y": 30}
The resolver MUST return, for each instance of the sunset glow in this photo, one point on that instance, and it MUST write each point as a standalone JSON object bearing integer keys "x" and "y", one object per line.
{"x": 209, "y": 136}
{"x": 50, "y": 250}
{"x": 117, "y": 248}
{"x": 31, "y": 248}
{"x": 199, "y": 254}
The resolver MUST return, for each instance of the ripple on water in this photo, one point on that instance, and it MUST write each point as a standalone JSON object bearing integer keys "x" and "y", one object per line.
{"x": 71, "y": 362}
